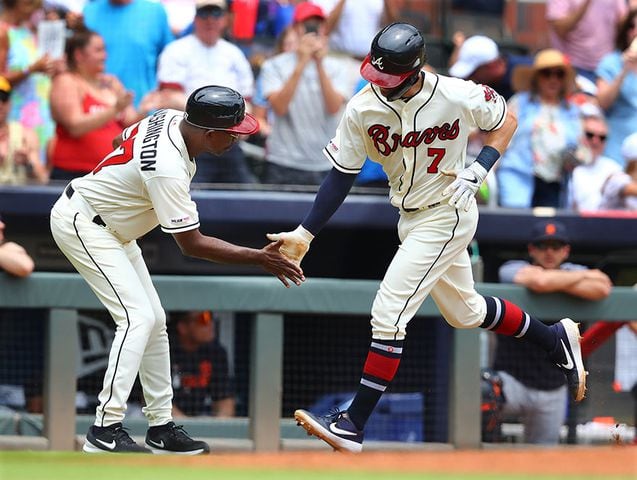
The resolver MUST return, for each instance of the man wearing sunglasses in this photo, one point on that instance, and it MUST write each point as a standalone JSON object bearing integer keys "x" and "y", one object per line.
{"x": 594, "y": 168}
{"x": 534, "y": 388}
{"x": 204, "y": 57}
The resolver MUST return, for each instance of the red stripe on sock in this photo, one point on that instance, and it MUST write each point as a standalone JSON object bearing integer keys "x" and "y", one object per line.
{"x": 513, "y": 317}
{"x": 380, "y": 366}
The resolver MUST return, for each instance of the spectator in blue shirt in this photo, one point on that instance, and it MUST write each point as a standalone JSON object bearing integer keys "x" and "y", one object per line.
{"x": 135, "y": 32}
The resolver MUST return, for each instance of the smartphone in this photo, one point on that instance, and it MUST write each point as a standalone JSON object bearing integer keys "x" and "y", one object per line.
{"x": 311, "y": 27}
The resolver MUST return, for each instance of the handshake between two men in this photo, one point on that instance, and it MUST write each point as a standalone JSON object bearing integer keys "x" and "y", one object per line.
{"x": 294, "y": 244}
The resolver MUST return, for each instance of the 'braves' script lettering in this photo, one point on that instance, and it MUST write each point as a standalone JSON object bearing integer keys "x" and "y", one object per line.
{"x": 386, "y": 142}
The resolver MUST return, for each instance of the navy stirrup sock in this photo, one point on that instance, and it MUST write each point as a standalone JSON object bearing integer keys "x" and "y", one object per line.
{"x": 506, "y": 318}
{"x": 379, "y": 370}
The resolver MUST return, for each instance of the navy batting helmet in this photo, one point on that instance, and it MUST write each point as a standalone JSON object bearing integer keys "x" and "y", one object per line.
{"x": 397, "y": 54}
{"x": 219, "y": 108}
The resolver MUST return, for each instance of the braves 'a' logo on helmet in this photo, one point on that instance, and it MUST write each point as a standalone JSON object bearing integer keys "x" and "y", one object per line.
{"x": 490, "y": 94}
{"x": 378, "y": 63}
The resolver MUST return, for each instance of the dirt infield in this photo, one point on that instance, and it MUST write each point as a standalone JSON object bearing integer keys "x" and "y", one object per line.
{"x": 569, "y": 461}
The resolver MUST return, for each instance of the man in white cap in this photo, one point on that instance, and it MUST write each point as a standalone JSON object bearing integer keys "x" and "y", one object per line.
{"x": 479, "y": 60}
{"x": 619, "y": 191}
{"x": 201, "y": 58}
{"x": 589, "y": 177}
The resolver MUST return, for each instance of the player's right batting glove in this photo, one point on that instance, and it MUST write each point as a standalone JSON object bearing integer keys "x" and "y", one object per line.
{"x": 295, "y": 243}
{"x": 464, "y": 187}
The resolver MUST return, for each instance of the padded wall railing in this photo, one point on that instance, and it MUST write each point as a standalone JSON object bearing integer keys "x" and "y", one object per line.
{"x": 64, "y": 293}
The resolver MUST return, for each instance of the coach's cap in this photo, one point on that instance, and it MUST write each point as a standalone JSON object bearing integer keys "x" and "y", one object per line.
{"x": 5, "y": 89}
{"x": 306, "y": 10}
{"x": 549, "y": 230}
{"x": 214, "y": 107}
{"x": 474, "y": 52}
{"x": 629, "y": 147}
{"x": 215, "y": 7}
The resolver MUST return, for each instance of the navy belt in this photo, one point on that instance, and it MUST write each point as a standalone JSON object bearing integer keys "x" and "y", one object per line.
{"x": 97, "y": 220}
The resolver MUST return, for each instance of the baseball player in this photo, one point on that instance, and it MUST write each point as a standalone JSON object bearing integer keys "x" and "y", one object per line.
{"x": 415, "y": 124}
{"x": 144, "y": 182}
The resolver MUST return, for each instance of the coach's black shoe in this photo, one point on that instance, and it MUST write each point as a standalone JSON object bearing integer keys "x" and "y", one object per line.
{"x": 568, "y": 356}
{"x": 171, "y": 438}
{"x": 114, "y": 439}
{"x": 334, "y": 428}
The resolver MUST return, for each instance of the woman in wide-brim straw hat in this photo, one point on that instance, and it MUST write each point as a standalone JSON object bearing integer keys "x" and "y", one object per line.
{"x": 531, "y": 172}
{"x": 549, "y": 61}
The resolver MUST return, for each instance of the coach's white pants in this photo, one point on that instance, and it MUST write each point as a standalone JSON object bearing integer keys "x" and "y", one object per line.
{"x": 432, "y": 258}
{"x": 116, "y": 272}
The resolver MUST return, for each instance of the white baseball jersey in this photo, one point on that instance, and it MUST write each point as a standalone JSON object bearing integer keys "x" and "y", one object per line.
{"x": 143, "y": 183}
{"x": 146, "y": 181}
{"x": 415, "y": 140}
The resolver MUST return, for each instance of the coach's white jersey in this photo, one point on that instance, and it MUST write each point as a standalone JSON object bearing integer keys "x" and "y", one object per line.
{"x": 415, "y": 140}
{"x": 146, "y": 181}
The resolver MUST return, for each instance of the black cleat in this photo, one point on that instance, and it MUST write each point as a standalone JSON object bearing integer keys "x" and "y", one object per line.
{"x": 113, "y": 439}
{"x": 171, "y": 438}
{"x": 568, "y": 357}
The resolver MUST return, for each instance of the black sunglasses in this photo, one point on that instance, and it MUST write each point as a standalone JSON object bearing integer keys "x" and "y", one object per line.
{"x": 553, "y": 72}
{"x": 591, "y": 135}
{"x": 210, "y": 12}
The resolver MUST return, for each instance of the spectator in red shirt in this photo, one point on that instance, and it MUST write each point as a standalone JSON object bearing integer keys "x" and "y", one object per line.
{"x": 90, "y": 108}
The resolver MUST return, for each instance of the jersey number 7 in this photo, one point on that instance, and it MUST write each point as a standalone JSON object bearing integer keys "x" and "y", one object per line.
{"x": 437, "y": 154}
{"x": 122, "y": 154}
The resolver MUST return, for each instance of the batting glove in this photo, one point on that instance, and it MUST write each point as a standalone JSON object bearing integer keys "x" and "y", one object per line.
{"x": 463, "y": 189}
{"x": 295, "y": 243}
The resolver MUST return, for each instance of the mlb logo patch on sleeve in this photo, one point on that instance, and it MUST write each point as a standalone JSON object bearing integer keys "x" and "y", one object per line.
{"x": 180, "y": 220}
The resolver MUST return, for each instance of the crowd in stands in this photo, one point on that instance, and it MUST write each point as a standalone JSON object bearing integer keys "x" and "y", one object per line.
{"x": 297, "y": 62}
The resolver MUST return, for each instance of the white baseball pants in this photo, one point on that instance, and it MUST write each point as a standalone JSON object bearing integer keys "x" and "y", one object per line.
{"x": 116, "y": 272}
{"x": 432, "y": 258}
